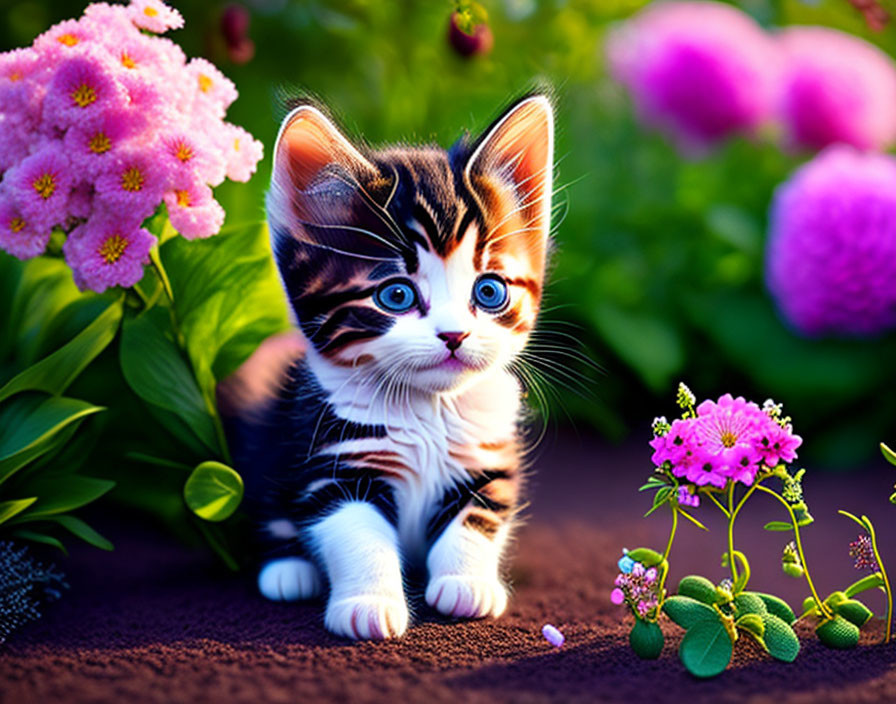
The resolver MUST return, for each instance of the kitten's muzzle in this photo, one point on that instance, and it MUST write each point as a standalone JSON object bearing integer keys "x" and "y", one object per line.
{"x": 453, "y": 340}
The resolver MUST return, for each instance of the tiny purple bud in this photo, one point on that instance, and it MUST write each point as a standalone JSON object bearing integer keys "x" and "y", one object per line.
{"x": 638, "y": 570}
{"x": 650, "y": 575}
{"x": 620, "y": 580}
{"x": 552, "y": 635}
{"x": 617, "y": 596}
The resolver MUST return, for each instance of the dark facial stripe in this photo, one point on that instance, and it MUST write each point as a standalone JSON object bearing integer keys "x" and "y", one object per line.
{"x": 349, "y": 324}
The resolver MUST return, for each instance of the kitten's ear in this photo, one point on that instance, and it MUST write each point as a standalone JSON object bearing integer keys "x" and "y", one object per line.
{"x": 519, "y": 147}
{"x": 307, "y": 143}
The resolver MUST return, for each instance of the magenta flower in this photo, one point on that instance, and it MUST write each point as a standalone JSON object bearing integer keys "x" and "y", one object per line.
{"x": 831, "y": 255}
{"x": 193, "y": 211}
{"x": 82, "y": 90}
{"x": 836, "y": 88}
{"x": 133, "y": 185}
{"x": 15, "y": 138}
{"x": 40, "y": 186}
{"x": 65, "y": 39}
{"x": 93, "y": 147}
{"x": 617, "y": 596}
{"x": 184, "y": 155}
{"x": 17, "y": 235}
{"x": 699, "y": 70}
{"x": 154, "y": 15}
{"x": 108, "y": 251}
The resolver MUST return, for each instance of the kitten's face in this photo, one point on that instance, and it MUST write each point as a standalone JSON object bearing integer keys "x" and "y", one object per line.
{"x": 415, "y": 266}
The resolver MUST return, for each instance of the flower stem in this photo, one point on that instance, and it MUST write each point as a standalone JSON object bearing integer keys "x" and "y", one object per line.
{"x": 731, "y": 516}
{"x": 709, "y": 495}
{"x": 883, "y": 574}
{"x": 668, "y": 550}
{"x": 822, "y": 607}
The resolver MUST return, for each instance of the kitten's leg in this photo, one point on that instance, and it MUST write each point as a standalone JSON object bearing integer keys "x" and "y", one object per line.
{"x": 289, "y": 579}
{"x": 464, "y": 565}
{"x": 358, "y": 549}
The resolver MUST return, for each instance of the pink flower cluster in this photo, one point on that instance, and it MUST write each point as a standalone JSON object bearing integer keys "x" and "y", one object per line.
{"x": 636, "y": 586}
{"x": 728, "y": 440}
{"x": 100, "y": 122}
{"x": 705, "y": 70}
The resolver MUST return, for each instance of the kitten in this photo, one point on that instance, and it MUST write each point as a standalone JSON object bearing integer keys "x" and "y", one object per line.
{"x": 384, "y": 435}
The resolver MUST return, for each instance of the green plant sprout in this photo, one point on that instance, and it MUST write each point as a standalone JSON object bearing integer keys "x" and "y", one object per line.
{"x": 724, "y": 453}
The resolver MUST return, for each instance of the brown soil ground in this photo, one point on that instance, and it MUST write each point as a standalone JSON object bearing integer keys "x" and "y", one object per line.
{"x": 155, "y": 622}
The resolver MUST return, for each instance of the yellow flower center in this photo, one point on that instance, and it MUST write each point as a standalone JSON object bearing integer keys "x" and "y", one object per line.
{"x": 150, "y": 11}
{"x": 127, "y": 61}
{"x": 183, "y": 152}
{"x": 183, "y": 198}
{"x": 729, "y": 439}
{"x": 100, "y": 143}
{"x": 113, "y": 248}
{"x": 45, "y": 185}
{"x": 15, "y": 76}
{"x": 17, "y": 224}
{"x": 132, "y": 179}
{"x": 67, "y": 39}
{"x": 83, "y": 95}
{"x": 205, "y": 83}
{"x": 236, "y": 145}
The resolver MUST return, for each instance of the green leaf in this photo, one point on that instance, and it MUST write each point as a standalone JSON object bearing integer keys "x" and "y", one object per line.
{"x": 155, "y": 370}
{"x": 778, "y": 526}
{"x": 888, "y": 454}
{"x": 62, "y": 493}
{"x": 692, "y": 519}
{"x": 872, "y": 581}
{"x": 55, "y": 372}
{"x": 28, "y": 424}
{"x": 687, "y": 612}
{"x": 41, "y": 538}
{"x": 646, "y": 556}
{"x": 801, "y": 512}
{"x": 646, "y": 639}
{"x": 652, "y": 483}
{"x": 660, "y": 499}
{"x": 83, "y": 531}
{"x": 749, "y": 603}
{"x": 213, "y": 491}
{"x": 778, "y": 607}
{"x": 780, "y": 640}
{"x": 699, "y": 588}
{"x": 838, "y": 633}
{"x": 854, "y": 611}
{"x": 752, "y": 624}
{"x": 706, "y": 649}
{"x": 8, "y": 509}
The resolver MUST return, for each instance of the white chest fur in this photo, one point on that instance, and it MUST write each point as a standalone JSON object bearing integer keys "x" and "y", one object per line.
{"x": 437, "y": 439}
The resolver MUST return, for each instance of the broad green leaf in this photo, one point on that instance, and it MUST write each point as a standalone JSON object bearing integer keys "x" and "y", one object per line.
{"x": 749, "y": 603}
{"x": 780, "y": 640}
{"x": 699, "y": 588}
{"x": 646, "y": 639}
{"x": 28, "y": 424}
{"x": 155, "y": 370}
{"x": 838, "y": 633}
{"x": 83, "y": 531}
{"x": 752, "y": 624}
{"x": 780, "y": 526}
{"x": 646, "y": 556}
{"x": 888, "y": 454}
{"x": 687, "y": 612}
{"x": 55, "y": 372}
{"x": 872, "y": 581}
{"x": 62, "y": 493}
{"x": 8, "y": 509}
{"x": 158, "y": 461}
{"x": 41, "y": 538}
{"x": 778, "y": 607}
{"x": 854, "y": 611}
{"x": 706, "y": 648}
{"x": 213, "y": 491}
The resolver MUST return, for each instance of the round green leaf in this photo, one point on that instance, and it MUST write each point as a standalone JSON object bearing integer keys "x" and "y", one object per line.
{"x": 749, "y": 603}
{"x": 854, "y": 611}
{"x": 699, "y": 588}
{"x": 706, "y": 649}
{"x": 778, "y": 607}
{"x": 646, "y": 639}
{"x": 646, "y": 556}
{"x": 838, "y": 633}
{"x": 687, "y": 612}
{"x": 780, "y": 640}
{"x": 213, "y": 491}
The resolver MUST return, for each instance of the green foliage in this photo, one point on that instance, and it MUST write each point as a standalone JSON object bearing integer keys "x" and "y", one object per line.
{"x": 646, "y": 556}
{"x": 779, "y": 639}
{"x": 706, "y": 648}
{"x": 646, "y": 639}
{"x": 838, "y": 633}
{"x": 777, "y": 607}
{"x": 699, "y": 588}
{"x": 749, "y": 603}
{"x": 213, "y": 491}
{"x": 854, "y": 611}
{"x": 687, "y": 612}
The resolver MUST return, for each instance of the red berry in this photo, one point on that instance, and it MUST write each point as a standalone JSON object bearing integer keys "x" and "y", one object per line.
{"x": 477, "y": 44}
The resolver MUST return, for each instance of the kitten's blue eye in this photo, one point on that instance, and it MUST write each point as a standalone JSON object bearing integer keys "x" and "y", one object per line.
{"x": 490, "y": 292}
{"x": 396, "y": 296}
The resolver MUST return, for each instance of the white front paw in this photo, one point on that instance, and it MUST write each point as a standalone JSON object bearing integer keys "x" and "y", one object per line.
{"x": 368, "y": 617}
{"x": 464, "y": 596}
{"x": 289, "y": 579}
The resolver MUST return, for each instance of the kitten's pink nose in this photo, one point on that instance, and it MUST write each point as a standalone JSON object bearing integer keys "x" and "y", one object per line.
{"x": 453, "y": 340}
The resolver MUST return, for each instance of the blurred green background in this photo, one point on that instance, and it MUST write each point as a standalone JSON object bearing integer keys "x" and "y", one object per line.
{"x": 659, "y": 259}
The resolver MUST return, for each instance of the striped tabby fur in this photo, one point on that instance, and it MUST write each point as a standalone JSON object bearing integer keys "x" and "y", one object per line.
{"x": 383, "y": 435}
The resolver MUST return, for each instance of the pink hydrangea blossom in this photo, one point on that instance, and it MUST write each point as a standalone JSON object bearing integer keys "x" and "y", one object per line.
{"x": 831, "y": 254}
{"x": 193, "y": 211}
{"x": 40, "y": 186}
{"x": 18, "y": 236}
{"x": 154, "y": 15}
{"x": 699, "y": 70}
{"x": 106, "y": 252}
{"x": 836, "y": 88}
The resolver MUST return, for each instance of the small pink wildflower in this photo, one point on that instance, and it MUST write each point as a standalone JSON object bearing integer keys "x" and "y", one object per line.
{"x": 193, "y": 211}
{"x": 17, "y": 236}
{"x": 133, "y": 185}
{"x": 184, "y": 155}
{"x": 154, "y": 15}
{"x": 40, "y": 186}
{"x": 66, "y": 38}
{"x": 94, "y": 146}
{"x": 617, "y": 596}
{"x": 637, "y": 589}
{"x": 214, "y": 92}
{"x": 108, "y": 251}
{"x": 15, "y": 139}
{"x": 242, "y": 152}
{"x": 82, "y": 90}
{"x": 863, "y": 552}
{"x": 686, "y": 498}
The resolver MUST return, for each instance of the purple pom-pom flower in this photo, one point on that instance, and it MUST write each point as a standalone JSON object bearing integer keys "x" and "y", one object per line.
{"x": 700, "y": 70}
{"x": 831, "y": 255}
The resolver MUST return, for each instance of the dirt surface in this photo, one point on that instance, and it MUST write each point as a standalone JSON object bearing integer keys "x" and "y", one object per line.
{"x": 155, "y": 622}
